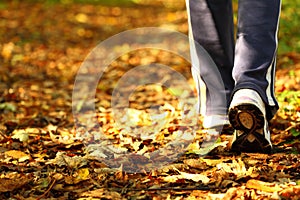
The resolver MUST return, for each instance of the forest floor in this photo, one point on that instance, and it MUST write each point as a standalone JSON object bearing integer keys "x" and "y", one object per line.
{"x": 44, "y": 154}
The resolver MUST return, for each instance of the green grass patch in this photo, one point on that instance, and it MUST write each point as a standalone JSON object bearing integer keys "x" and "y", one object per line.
{"x": 289, "y": 32}
{"x": 2, "y": 5}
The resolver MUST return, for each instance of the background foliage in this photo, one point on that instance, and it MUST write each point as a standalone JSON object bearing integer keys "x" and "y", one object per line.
{"x": 289, "y": 34}
{"x": 42, "y": 155}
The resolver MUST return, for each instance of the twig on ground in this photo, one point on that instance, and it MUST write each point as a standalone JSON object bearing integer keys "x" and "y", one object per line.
{"x": 164, "y": 188}
{"x": 291, "y": 127}
{"x": 48, "y": 190}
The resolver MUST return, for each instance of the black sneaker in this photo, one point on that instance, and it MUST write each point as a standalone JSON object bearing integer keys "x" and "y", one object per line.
{"x": 247, "y": 117}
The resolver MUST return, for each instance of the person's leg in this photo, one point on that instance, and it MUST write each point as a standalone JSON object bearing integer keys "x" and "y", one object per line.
{"x": 253, "y": 102}
{"x": 211, "y": 26}
{"x": 255, "y": 51}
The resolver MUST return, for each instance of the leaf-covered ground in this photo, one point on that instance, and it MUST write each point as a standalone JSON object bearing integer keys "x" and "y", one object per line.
{"x": 42, "y": 155}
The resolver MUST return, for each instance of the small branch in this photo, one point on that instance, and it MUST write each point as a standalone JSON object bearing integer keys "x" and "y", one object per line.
{"x": 172, "y": 188}
{"x": 163, "y": 188}
{"x": 3, "y": 135}
{"x": 291, "y": 127}
{"x": 48, "y": 190}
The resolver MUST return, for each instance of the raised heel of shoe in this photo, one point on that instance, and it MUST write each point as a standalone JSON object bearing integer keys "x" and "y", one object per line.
{"x": 249, "y": 123}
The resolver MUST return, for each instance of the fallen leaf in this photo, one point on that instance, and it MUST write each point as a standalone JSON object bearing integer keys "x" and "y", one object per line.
{"x": 8, "y": 106}
{"x": 12, "y": 181}
{"x": 61, "y": 136}
{"x": 81, "y": 175}
{"x": 78, "y": 176}
{"x": 15, "y": 154}
{"x": 237, "y": 168}
{"x": 7, "y": 50}
{"x": 102, "y": 193}
{"x": 183, "y": 175}
{"x": 291, "y": 192}
{"x": 21, "y": 135}
{"x": 236, "y": 193}
{"x": 81, "y": 17}
{"x": 195, "y": 163}
{"x": 206, "y": 150}
{"x": 134, "y": 117}
{"x": 62, "y": 159}
{"x": 213, "y": 162}
{"x": 261, "y": 185}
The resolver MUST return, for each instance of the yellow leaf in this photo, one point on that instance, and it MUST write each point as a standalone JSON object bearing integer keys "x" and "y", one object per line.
{"x": 137, "y": 117}
{"x": 15, "y": 154}
{"x": 21, "y": 135}
{"x": 212, "y": 162}
{"x": 264, "y": 186}
{"x": 175, "y": 91}
{"x": 206, "y": 150}
{"x": 81, "y": 17}
{"x": 81, "y": 175}
{"x": 194, "y": 146}
{"x": 7, "y": 50}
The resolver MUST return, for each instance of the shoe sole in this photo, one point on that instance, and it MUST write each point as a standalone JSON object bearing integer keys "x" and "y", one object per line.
{"x": 248, "y": 120}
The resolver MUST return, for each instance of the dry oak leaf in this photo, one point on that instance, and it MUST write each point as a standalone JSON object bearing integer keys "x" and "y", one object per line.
{"x": 12, "y": 181}
{"x": 62, "y": 159}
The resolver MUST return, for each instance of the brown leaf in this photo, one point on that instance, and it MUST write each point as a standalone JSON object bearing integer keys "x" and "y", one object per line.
{"x": 79, "y": 176}
{"x": 102, "y": 193}
{"x": 236, "y": 193}
{"x": 12, "y": 181}
{"x": 15, "y": 154}
{"x": 196, "y": 163}
{"x": 62, "y": 159}
{"x": 291, "y": 192}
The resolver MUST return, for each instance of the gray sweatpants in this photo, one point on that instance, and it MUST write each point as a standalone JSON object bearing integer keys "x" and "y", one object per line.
{"x": 249, "y": 62}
